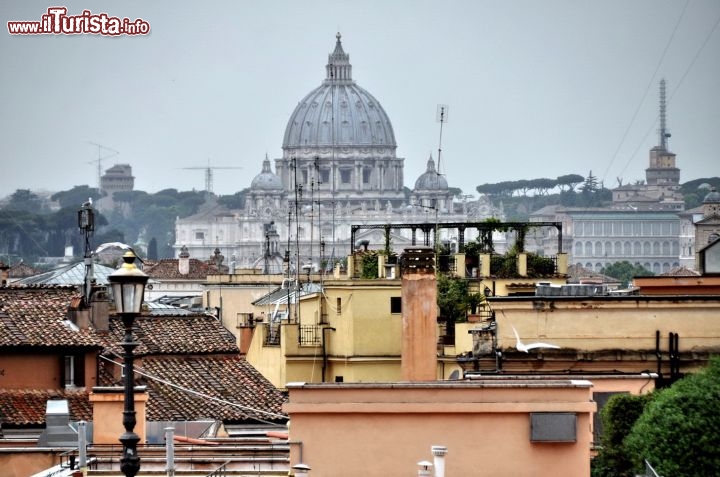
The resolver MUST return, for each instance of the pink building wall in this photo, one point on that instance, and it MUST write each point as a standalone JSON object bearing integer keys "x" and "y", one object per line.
{"x": 385, "y": 429}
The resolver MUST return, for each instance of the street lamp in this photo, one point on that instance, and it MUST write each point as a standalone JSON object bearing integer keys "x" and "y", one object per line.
{"x": 128, "y": 288}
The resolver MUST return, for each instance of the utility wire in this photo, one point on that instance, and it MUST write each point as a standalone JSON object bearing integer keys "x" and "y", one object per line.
{"x": 199, "y": 394}
{"x": 675, "y": 89}
{"x": 647, "y": 89}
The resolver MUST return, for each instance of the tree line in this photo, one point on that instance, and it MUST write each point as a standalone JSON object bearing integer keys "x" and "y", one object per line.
{"x": 30, "y": 228}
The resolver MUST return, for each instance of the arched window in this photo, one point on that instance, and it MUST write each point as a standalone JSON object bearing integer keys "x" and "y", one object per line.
{"x": 656, "y": 248}
{"x": 627, "y": 248}
{"x": 647, "y": 250}
{"x": 578, "y": 249}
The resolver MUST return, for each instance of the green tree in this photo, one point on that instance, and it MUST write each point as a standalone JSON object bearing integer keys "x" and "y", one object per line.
{"x": 617, "y": 417}
{"x": 152, "y": 251}
{"x": 76, "y": 196}
{"x": 452, "y": 297}
{"x": 235, "y": 201}
{"x": 26, "y": 201}
{"x": 625, "y": 271}
{"x": 679, "y": 431}
{"x": 570, "y": 181}
{"x": 590, "y": 185}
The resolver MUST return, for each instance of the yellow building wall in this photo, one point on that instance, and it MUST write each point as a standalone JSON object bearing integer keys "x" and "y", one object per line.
{"x": 364, "y": 346}
{"x": 605, "y": 323}
{"x": 268, "y": 360}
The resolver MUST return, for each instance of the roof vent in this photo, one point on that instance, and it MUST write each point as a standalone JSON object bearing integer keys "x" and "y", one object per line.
{"x": 58, "y": 432}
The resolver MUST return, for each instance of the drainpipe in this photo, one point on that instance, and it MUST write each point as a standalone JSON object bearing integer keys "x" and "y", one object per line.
{"x": 82, "y": 446}
{"x": 170, "y": 451}
{"x": 438, "y": 453}
{"x": 324, "y": 352}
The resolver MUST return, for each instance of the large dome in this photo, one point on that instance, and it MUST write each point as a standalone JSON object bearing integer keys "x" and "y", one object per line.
{"x": 338, "y": 113}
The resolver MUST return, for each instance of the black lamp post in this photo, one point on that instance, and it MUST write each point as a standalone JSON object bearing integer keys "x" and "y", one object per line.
{"x": 128, "y": 288}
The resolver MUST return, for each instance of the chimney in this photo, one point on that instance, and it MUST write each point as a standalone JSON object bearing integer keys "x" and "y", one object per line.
{"x": 438, "y": 453}
{"x": 184, "y": 261}
{"x": 4, "y": 275}
{"x": 100, "y": 308}
{"x": 419, "y": 315}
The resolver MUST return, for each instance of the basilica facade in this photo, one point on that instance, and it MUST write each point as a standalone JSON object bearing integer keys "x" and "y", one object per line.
{"x": 338, "y": 168}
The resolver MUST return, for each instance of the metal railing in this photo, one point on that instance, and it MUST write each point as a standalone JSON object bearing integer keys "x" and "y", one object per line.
{"x": 220, "y": 471}
{"x": 310, "y": 335}
{"x": 649, "y": 471}
{"x": 272, "y": 335}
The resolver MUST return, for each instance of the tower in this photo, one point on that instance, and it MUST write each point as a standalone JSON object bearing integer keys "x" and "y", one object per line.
{"x": 662, "y": 170}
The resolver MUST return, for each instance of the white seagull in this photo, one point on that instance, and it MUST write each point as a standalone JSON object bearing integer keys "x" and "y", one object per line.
{"x": 520, "y": 346}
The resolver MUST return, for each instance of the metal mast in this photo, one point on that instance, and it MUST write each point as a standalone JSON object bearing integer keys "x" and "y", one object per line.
{"x": 664, "y": 134}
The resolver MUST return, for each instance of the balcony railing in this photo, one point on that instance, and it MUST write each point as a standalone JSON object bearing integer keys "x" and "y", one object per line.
{"x": 310, "y": 335}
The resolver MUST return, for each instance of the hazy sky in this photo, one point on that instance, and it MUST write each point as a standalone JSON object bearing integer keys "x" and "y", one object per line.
{"x": 534, "y": 88}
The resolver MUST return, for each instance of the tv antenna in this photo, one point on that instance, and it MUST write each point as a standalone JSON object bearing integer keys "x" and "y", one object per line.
{"x": 663, "y": 131}
{"x": 209, "y": 173}
{"x": 109, "y": 152}
{"x": 441, "y": 117}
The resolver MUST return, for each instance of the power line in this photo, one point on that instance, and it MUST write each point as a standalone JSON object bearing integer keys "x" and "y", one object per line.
{"x": 675, "y": 90}
{"x": 647, "y": 89}
{"x": 139, "y": 371}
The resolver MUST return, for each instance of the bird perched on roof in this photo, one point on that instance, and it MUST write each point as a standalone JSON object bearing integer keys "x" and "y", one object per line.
{"x": 520, "y": 346}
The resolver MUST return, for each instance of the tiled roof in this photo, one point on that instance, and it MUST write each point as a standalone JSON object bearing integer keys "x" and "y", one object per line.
{"x": 193, "y": 334}
{"x": 168, "y": 269}
{"x": 72, "y": 274}
{"x": 680, "y": 272}
{"x": 26, "y": 407}
{"x": 227, "y": 378}
{"x": 578, "y": 272}
{"x": 21, "y": 270}
{"x": 37, "y": 316}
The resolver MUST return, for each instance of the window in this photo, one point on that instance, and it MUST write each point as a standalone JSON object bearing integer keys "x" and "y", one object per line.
{"x": 366, "y": 175}
{"x": 69, "y": 371}
{"x": 345, "y": 175}
{"x": 72, "y": 371}
{"x": 395, "y": 304}
{"x": 199, "y": 235}
{"x": 338, "y": 306}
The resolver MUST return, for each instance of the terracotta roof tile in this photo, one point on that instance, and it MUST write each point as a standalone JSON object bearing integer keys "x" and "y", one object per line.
{"x": 26, "y": 407}
{"x": 186, "y": 334}
{"x": 168, "y": 269}
{"x": 22, "y": 270}
{"x": 680, "y": 271}
{"x": 228, "y": 378}
{"x": 37, "y": 316}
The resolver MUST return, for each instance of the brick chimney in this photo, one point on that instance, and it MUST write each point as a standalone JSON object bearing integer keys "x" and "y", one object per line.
{"x": 184, "y": 261}
{"x": 419, "y": 315}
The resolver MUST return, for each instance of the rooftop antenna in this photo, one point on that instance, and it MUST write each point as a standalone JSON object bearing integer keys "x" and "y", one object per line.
{"x": 664, "y": 134}
{"x": 209, "y": 174}
{"x": 442, "y": 117}
{"x": 110, "y": 153}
